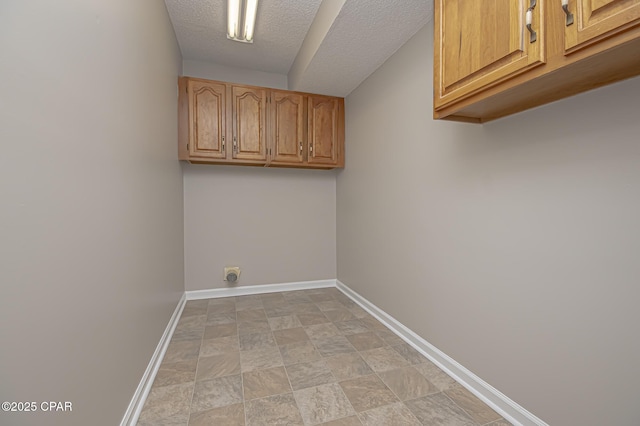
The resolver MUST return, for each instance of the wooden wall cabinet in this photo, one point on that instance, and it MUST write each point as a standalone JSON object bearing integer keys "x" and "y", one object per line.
{"x": 499, "y": 57}
{"x": 224, "y": 123}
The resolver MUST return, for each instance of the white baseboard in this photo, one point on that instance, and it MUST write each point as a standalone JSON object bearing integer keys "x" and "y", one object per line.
{"x": 503, "y": 405}
{"x": 140, "y": 396}
{"x": 257, "y": 289}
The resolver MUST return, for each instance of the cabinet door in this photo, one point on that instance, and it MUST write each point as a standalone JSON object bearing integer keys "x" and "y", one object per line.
{"x": 207, "y": 105}
{"x": 481, "y": 42}
{"x": 287, "y": 127}
{"x": 595, "y": 20}
{"x": 325, "y": 121}
{"x": 249, "y": 107}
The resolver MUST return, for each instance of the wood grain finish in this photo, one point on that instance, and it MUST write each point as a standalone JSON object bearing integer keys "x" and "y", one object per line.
{"x": 481, "y": 43}
{"x": 597, "y": 19}
{"x": 288, "y": 139}
{"x": 249, "y": 123}
{"x": 598, "y": 49}
{"x": 326, "y": 132}
{"x": 223, "y": 123}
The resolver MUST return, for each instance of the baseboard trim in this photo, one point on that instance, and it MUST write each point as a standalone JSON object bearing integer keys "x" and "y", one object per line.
{"x": 258, "y": 289}
{"x": 502, "y": 404}
{"x": 140, "y": 396}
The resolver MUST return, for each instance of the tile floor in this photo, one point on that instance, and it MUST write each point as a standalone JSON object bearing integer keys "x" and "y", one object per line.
{"x": 308, "y": 357}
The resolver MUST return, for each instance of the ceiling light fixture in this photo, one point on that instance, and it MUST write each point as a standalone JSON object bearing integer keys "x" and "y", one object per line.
{"x": 247, "y": 10}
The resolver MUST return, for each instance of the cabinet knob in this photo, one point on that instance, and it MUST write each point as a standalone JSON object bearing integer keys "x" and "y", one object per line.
{"x": 565, "y": 7}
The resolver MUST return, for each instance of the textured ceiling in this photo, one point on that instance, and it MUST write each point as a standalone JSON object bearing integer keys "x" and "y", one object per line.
{"x": 360, "y": 37}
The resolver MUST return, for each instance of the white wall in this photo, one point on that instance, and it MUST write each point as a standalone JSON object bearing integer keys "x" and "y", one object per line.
{"x": 91, "y": 235}
{"x": 278, "y": 225}
{"x": 518, "y": 239}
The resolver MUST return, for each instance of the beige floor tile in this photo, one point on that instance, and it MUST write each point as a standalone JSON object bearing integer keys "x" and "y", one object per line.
{"x": 176, "y": 373}
{"x": 479, "y": 411}
{"x": 321, "y": 297}
{"x": 222, "y": 330}
{"x": 225, "y": 364}
{"x": 372, "y": 323}
{"x": 346, "y": 421}
{"x": 167, "y": 404}
{"x": 389, "y": 338}
{"x": 298, "y": 352}
{"x": 358, "y": 312}
{"x": 353, "y": 326}
{"x": 435, "y": 375}
{"x": 311, "y": 318}
{"x": 305, "y": 308}
{"x": 410, "y": 354}
{"x": 501, "y": 422}
{"x": 284, "y": 322}
{"x": 348, "y": 366}
{"x": 317, "y": 345}
{"x": 365, "y": 341}
{"x": 330, "y": 305}
{"x": 219, "y": 346}
{"x": 251, "y": 315}
{"x": 323, "y": 403}
{"x": 336, "y": 345}
{"x": 189, "y": 328}
{"x": 438, "y": 409}
{"x": 248, "y": 302}
{"x": 260, "y": 359}
{"x": 383, "y": 359}
{"x": 309, "y": 374}
{"x": 408, "y": 383}
{"x": 273, "y": 299}
{"x": 180, "y": 335}
{"x": 252, "y": 327}
{"x": 320, "y": 331}
{"x": 296, "y": 297}
{"x": 182, "y": 351}
{"x": 192, "y": 321}
{"x": 231, "y": 415}
{"x": 340, "y": 314}
{"x": 194, "y": 307}
{"x": 273, "y": 410}
{"x": 217, "y": 392}
{"x": 256, "y": 341}
{"x": 278, "y": 311}
{"x": 290, "y": 335}
{"x": 389, "y": 415}
{"x": 220, "y": 318}
{"x": 263, "y": 383}
{"x": 221, "y": 305}
{"x": 367, "y": 392}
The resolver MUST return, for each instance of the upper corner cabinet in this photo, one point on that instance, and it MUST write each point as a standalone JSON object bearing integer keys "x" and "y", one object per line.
{"x": 325, "y": 121}
{"x": 479, "y": 43}
{"x": 589, "y": 21}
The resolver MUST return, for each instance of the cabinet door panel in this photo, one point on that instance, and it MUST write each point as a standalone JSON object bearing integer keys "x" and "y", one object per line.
{"x": 325, "y": 131}
{"x": 287, "y": 127}
{"x": 207, "y": 126}
{"x": 249, "y": 109}
{"x": 598, "y": 19}
{"x": 479, "y": 43}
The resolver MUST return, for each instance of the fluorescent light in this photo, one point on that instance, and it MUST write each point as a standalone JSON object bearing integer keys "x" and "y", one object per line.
{"x": 235, "y": 9}
{"x": 250, "y": 19}
{"x": 233, "y": 18}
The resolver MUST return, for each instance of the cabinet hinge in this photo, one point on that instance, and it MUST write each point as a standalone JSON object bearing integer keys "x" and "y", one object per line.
{"x": 187, "y": 147}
